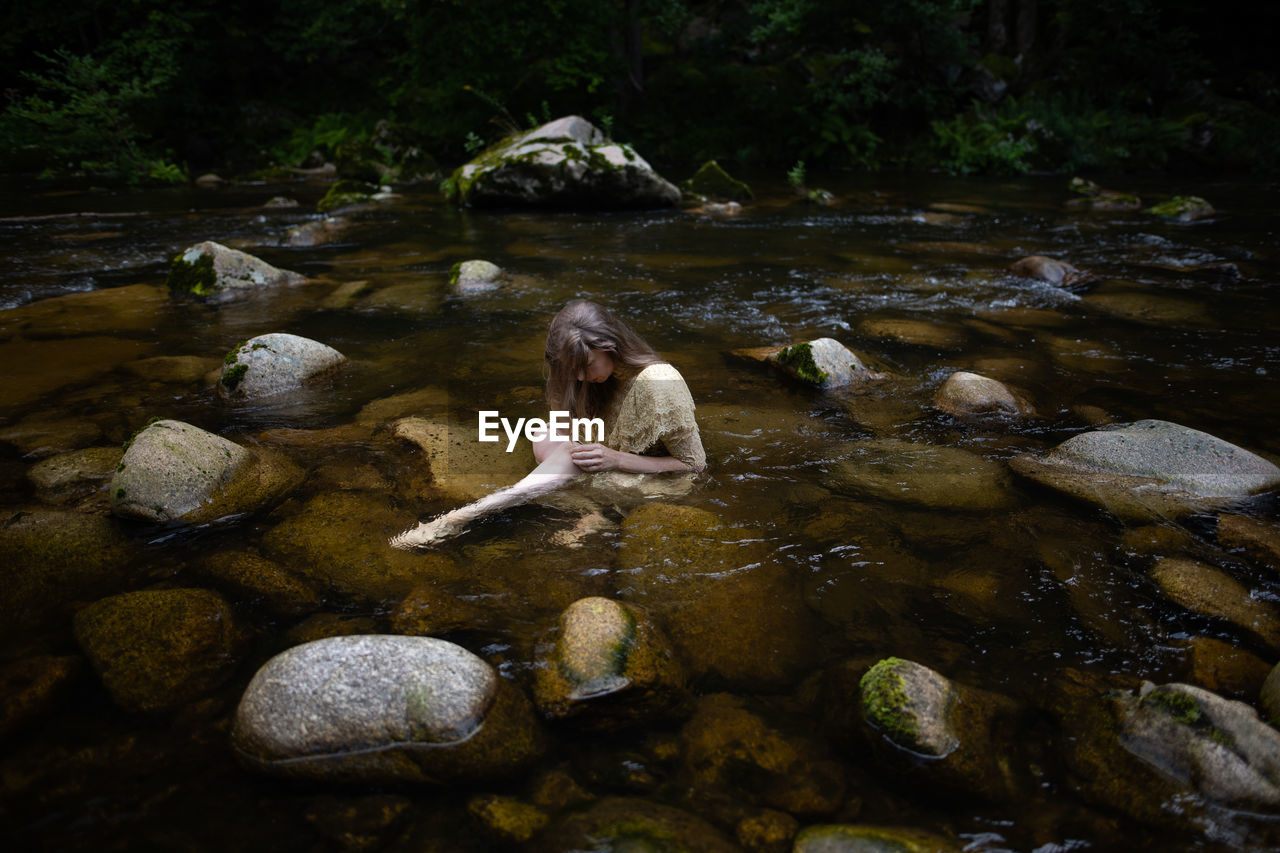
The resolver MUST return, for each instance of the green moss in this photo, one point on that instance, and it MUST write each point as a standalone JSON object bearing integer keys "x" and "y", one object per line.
{"x": 711, "y": 181}
{"x": 800, "y": 359}
{"x": 345, "y": 194}
{"x": 196, "y": 277}
{"x": 884, "y": 700}
{"x": 234, "y": 355}
{"x": 120, "y": 494}
{"x": 1180, "y": 206}
{"x": 232, "y": 375}
{"x": 1181, "y": 708}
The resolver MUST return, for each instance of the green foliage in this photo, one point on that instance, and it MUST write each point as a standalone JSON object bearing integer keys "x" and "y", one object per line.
{"x": 474, "y": 144}
{"x": 984, "y": 140}
{"x": 796, "y": 175}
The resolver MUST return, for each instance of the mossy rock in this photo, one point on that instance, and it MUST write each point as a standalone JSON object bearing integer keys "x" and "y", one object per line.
{"x": 713, "y": 182}
{"x": 346, "y": 194}
{"x": 158, "y": 649}
{"x": 475, "y": 276}
{"x": 609, "y": 664}
{"x": 1183, "y": 208}
{"x": 273, "y": 364}
{"x": 909, "y": 704}
{"x": 506, "y": 818}
{"x": 855, "y": 838}
{"x": 249, "y": 577}
{"x": 824, "y": 362}
{"x": 218, "y": 273}
{"x": 429, "y": 611}
{"x": 636, "y": 826}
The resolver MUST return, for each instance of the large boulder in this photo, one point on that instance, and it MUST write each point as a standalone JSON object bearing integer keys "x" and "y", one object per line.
{"x": 174, "y": 471}
{"x": 924, "y": 475}
{"x": 376, "y": 708}
{"x": 1151, "y": 470}
{"x": 564, "y": 163}
{"x": 158, "y": 649}
{"x": 916, "y": 711}
{"x": 609, "y": 663}
{"x": 273, "y": 364}
{"x": 220, "y": 273}
{"x": 730, "y": 608}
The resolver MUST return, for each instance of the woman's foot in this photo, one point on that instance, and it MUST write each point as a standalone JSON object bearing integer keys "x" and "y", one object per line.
{"x": 429, "y": 533}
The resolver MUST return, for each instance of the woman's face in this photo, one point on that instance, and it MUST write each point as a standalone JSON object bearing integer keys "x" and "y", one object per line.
{"x": 599, "y": 367}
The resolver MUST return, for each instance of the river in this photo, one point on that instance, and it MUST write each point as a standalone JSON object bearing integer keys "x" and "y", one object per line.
{"x": 910, "y": 272}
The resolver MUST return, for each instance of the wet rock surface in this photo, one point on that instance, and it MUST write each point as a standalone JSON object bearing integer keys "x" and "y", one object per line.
{"x": 383, "y": 708}
{"x": 966, "y": 393}
{"x": 157, "y": 649}
{"x": 922, "y": 475}
{"x": 1151, "y": 469}
{"x": 216, "y": 272}
{"x": 823, "y": 362}
{"x": 273, "y": 364}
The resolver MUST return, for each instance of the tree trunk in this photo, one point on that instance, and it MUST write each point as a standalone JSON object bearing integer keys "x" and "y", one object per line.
{"x": 997, "y": 33}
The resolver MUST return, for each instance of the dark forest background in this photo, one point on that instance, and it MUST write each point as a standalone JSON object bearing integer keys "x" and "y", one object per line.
{"x": 152, "y": 90}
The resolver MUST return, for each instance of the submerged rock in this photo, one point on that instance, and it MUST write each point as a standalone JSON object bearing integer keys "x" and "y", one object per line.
{"x": 857, "y": 838}
{"x": 1269, "y": 698}
{"x": 727, "y": 748}
{"x": 506, "y": 818}
{"x": 565, "y": 163}
{"x": 625, "y": 824}
{"x": 158, "y": 649}
{"x": 31, "y": 686}
{"x": 384, "y": 709}
{"x": 74, "y": 474}
{"x": 1224, "y": 668}
{"x": 731, "y": 610}
{"x": 920, "y": 474}
{"x": 174, "y": 471}
{"x": 610, "y": 664}
{"x": 922, "y": 333}
{"x": 474, "y": 276}
{"x": 1151, "y": 470}
{"x": 1204, "y": 589}
{"x": 319, "y": 232}
{"x": 254, "y": 578}
{"x": 967, "y": 393}
{"x": 428, "y": 611}
{"x": 346, "y": 194}
{"x": 221, "y": 274}
{"x": 273, "y": 364}
{"x": 824, "y": 362}
{"x": 52, "y": 558}
{"x": 1094, "y": 197}
{"x": 1258, "y": 540}
{"x": 922, "y": 713}
{"x": 1183, "y": 208}
{"x": 713, "y": 182}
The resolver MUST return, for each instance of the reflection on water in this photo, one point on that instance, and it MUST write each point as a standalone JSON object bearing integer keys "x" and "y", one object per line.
{"x": 1002, "y": 589}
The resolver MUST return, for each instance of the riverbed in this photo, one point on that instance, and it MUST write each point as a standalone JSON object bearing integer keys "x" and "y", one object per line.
{"x": 1176, "y": 323}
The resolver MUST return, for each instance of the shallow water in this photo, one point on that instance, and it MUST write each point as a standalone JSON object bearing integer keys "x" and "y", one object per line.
{"x": 1004, "y": 598}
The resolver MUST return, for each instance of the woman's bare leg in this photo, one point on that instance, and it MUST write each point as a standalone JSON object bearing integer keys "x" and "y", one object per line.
{"x": 554, "y": 470}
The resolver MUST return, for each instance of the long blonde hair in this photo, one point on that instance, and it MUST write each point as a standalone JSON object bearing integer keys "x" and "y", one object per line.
{"x": 579, "y": 328}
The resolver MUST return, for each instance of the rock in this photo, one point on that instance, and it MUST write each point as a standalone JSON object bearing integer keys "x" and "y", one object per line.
{"x": 318, "y": 232}
{"x": 727, "y": 748}
{"x": 345, "y": 295}
{"x": 711, "y": 182}
{"x": 967, "y": 393}
{"x": 1204, "y": 589}
{"x": 273, "y": 364}
{"x": 322, "y": 626}
{"x": 1145, "y": 304}
{"x": 346, "y": 194}
{"x": 1094, "y": 197}
{"x": 854, "y": 838}
{"x": 1183, "y": 208}
{"x": 221, "y": 274}
{"x": 210, "y": 180}
{"x": 767, "y": 831}
{"x": 175, "y": 369}
{"x": 462, "y": 468}
{"x": 383, "y": 709}
{"x": 923, "y": 333}
{"x": 427, "y": 611}
{"x": 474, "y": 277}
{"x": 731, "y": 610}
{"x": 255, "y": 579}
{"x": 920, "y": 474}
{"x": 134, "y": 308}
{"x": 610, "y": 665}
{"x": 52, "y": 558}
{"x": 914, "y": 711}
{"x": 74, "y": 474}
{"x": 1256, "y": 539}
{"x": 431, "y": 399}
{"x": 1158, "y": 540}
{"x": 38, "y": 368}
{"x": 359, "y": 824}
{"x": 820, "y": 197}
{"x": 337, "y": 544}
{"x": 625, "y": 824}
{"x": 565, "y": 163}
{"x": 507, "y": 819}
{"x": 30, "y": 687}
{"x": 1214, "y": 747}
{"x": 1151, "y": 470}
{"x": 280, "y": 202}
{"x": 1269, "y": 697}
{"x": 173, "y": 471}
{"x": 38, "y": 437}
{"x": 1223, "y": 668}
{"x": 158, "y": 649}
{"x": 1053, "y": 271}
{"x": 824, "y": 362}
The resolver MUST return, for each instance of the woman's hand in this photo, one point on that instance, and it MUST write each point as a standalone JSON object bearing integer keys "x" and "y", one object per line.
{"x": 596, "y": 457}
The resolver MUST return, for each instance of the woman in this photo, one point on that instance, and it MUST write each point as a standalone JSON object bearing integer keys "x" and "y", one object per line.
{"x": 596, "y": 367}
